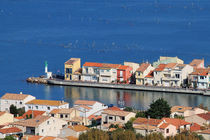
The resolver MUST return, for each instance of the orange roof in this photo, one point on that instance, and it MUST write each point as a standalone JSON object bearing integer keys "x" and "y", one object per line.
{"x": 196, "y": 62}
{"x": 205, "y": 116}
{"x": 171, "y": 65}
{"x": 62, "y": 111}
{"x": 94, "y": 117}
{"x": 46, "y": 102}
{"x": 84, "y": 102}
{"x": 153, "y": 122}
{"x": 19, "y": 118}
{"x": 1, "y": 113}
{"x": 205, "y": 131}
{"x": 143, "y": 67}
{"x": 31, "y": 137}
{"x": 10, "y": 130}
{"x": 195, "y": 127}
{"x": 116, "y": 113}
{"x": 78, "y": 128}
{"x": 49, "y": 138}
{"x": 92, "y": 64}
{"x": 179, "y": 109}
{"x": 160, "y": 67}
{"x": 34, "y": 112}
{"x": 201, "y": 72}
{"x": 106, "y": 65}
{"x": 175, "y": 122}
{"x": 114, "y": 108}
{"x": 122, "y": 67}
{"x": 150, "y": 75}
{"x": 144, "y": 127}
{"x": 71, "y": 138}
{"x": 14, "y": 96}
{"x": 164, "y": 125}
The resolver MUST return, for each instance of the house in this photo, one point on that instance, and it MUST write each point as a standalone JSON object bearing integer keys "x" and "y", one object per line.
{"x": 146, "y": 126}
{"x": 72, "y": 68}
{"x": 65, "y": 113}
{"x": 178, "y": 111}
{"x": 205, "y": 134}
{"x": 6, "y": 118}
{"x": 41, "y": 125}
{"x": 193, "y": 111}
{"x": 166, "y": 60}
{"x": 79, "y": 121}
{"x": 113, "y": 116}
{"x": 17, "y": 100}
{"x": 197, "y": 63}
{"x": 45, "y": 105}
{"x": 199, "y": 78}
{"x": 167, "y": 129}
{"x": 201, "y": 119}
{"x": 134, "y": 67}
{"x": 143, "y": 70}
{"x": 33, "y": 114}
{"x": 149, "y": 79}
{"x": 124, "y": 74}
{"x": 88, "y": 108}
{"x": 73, "y": 131}
{"x": 35, "y": 137}
{"x": 195, "y": 127}
{"x": 10, "y": 132}
{"x": 158, "y": 74}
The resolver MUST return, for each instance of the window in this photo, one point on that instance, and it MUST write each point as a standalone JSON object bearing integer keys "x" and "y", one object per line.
{"x": 108, "y": 70}
{"x": 123, "y": 118}
{"x": 21, "y": 103}
{"x": 37, "y": 107}
{"x": 48, "y": 122}
{"x": 48, "y": 108}
{"x": 201, "y": 77}
{"x": 61, "y": 116}
{"x": 66, "y": 116}
{"x": 177, "y": 75}
{"x": 110, "y": 118}
{"x": 167, "y": 130}
{"x": 102, "y": 70}
{"x": 42, "y": 130}
{"x": 29, "y": 107}
{"x": 52, "y": 115}
{"x": 86, "y": 70}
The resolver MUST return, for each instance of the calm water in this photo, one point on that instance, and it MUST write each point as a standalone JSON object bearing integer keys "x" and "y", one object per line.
{"x": 103, "y": 31}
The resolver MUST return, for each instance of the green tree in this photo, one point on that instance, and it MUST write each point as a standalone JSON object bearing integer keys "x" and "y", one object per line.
{"x": 121, "y": 134}
{"x": 159, "y": 109}
{"x": 94, "y": 134}
{"x": 13, "y": 110}
{"x": 129, "y": 109}
{"x": 9, "y": 138}
{"x": 140, "y": 114}
{"x": 129, "y": 126}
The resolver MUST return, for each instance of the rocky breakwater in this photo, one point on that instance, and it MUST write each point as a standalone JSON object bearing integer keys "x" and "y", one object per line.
{"x": 39, "y": 80}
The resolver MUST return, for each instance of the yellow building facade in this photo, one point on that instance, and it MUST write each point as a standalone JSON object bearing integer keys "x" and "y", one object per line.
{"x": 72, "y": 66}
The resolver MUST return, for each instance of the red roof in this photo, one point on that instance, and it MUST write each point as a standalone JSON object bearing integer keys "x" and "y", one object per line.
{"x": 164, "y": 125}
{"x": 150, "y": 75}
{"x": 122, "y": 67}
{"x": 105, "y": 65}
{"x": 143, "y": 67}
{"x": 175, "y": 122}
{"x": 10, "y": 130}
{"x": 19, "y": 118}
{"x": 92, "y": 64}
{"x": 201, "y": 72}
{"x": 160, "y": 67}
{"x": 94, "y": 117}
{"x": 205, "y": 116}
{"x": 84, "y": 102}
{"x": 114, "y": 108}
{"x": 195, "y": 127}
{"x": 35, "y": 113}
{"x": 153, "y": 122}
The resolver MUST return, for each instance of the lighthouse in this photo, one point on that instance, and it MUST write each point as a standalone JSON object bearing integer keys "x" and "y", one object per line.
{"x": 48, "y": 74}
{"x": 46, "y": 67}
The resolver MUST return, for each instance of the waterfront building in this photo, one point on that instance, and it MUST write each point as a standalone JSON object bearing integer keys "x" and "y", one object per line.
{"x": 72, "y": 69}
{"x": 166, "y": 60}
{"x": 10, "y": 132}
{"x": 197, "y": 64}
{"x": 158, "y": 74}
{"x": 142, "y": 72}
{"x": 41, "y": 125}
{"x": 73, "y": 131}
{"x": 124, "y": 74}
{"x": 201, "y": 119}
{"x": 199, "y": 78}
{"x": 45, "y": 105}
{"x": 6, "y": 118}
{"x": 149, "y": 78}
{"x": 33, "y": 114}
{"x": 133, "y": 65}
{"x": 17, "y": 100}
{"x": 64, "y": 113}
{"x": 88, "y": 108}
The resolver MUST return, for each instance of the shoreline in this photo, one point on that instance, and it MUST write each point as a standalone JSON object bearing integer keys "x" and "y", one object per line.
{"x": 127, "y": 87}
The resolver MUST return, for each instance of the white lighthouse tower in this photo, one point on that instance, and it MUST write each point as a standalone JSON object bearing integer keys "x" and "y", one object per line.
{"x": 48, "y": 74}
{"x": 46, "y": 67}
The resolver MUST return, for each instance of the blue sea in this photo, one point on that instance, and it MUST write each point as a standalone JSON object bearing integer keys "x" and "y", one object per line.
{"x": 35, "y": 31}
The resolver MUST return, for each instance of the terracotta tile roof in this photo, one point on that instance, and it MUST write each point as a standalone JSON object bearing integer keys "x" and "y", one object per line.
{"x": 31, "y": 137}
{"x": 10, "y": 130}
{"x": 143, "y": 67}
{"x": 116, "y": 113}
{"x": 195, "y": 127}
{"x": 153, "y": 122}
{"x": 201, "y": 72}
{"x": 92, "y": 64}
{"x": 160, "y": 67}
{"x": 77, "y": 119}
{"x": 205, "y": 116}
{"x": 114, "y": 108}
{"x": 72, "y": 61}
{"x": 122, "y": 67}
{"x": 164, "y": 125}
{"x": 94, "y": 117}
{"x": 32, "y": 122}
{"x": 62, "y": 111}
{"x": 19, "y": 118}
{"x": 84, "y": 102}
{"x": 78, "y": 128}
{"x": 144, "y": 127}
{"x": 196, "y": 62}
{"x": 171, "y": 65}
{"x": 150, "y": 75}
{"x": 47, "y": 102}
{"x": 205, "y": 131}
{"x": 85, "y": 106}
{"x": 179, "y": 109}
{"x": 106, "y": 65}
{"x": 35, "y": 113}
{"x": 2, "y": 113}
{"x": 71, "y": 138}
{"x": 175, "y": 122}
{"x": 14, "y": 96}
{"x": 49, "y": 138}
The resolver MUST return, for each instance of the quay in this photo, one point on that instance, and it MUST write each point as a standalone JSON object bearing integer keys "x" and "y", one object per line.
{"x": 127, "y": 87}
